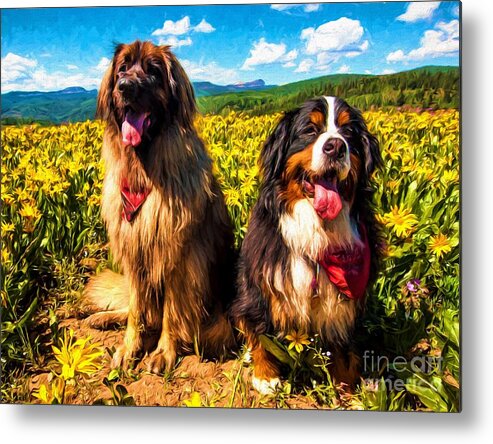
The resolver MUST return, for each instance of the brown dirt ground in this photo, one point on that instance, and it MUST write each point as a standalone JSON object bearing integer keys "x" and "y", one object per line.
{"x": 220, "y": 384}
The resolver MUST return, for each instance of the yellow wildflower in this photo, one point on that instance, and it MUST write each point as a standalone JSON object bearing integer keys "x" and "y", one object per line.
{"x": 440, "y": 245}
{"x": 194, "y": 401}
{"x": 77, "y": 357}
{"x": 400, "y": 220}
{"x": 7, "y": 227}
{"x": 297, "y": 340}
{"x": 29, "y": 211}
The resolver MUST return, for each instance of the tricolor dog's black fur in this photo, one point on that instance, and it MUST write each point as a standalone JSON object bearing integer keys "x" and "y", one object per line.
{"x": 314, "y": 200}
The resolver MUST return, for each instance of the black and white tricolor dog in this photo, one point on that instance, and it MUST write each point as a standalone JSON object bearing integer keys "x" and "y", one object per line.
{"x": 311, "y": 245}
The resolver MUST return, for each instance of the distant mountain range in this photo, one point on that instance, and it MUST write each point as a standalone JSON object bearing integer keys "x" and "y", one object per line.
{"x": 203, "y": 89}
{"x": 429, "y": 86}
{"x": 78, "y": 104}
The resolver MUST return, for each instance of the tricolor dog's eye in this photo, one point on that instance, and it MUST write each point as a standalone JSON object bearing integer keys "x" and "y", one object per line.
{"x": 122, "y": 68}
{"x": 310, "y": 130}
{"x": 347, "y": 129}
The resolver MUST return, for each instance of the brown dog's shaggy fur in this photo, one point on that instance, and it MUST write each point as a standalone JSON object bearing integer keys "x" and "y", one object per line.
{"x": 175, "y": 249}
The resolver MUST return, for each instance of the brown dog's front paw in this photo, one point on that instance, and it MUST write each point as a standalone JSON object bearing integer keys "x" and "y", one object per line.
{"x": 105, "y": 319}
{"x": 161, "y": 361}
{"x": 126, "y": 357}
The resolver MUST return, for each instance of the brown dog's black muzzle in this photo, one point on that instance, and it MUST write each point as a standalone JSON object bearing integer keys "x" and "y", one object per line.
{"x": 128, "y": 88}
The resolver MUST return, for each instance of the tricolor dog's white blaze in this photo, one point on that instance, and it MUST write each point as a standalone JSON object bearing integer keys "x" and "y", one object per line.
{"x": 319, "y": 158}
{"x": 331, "y": 115}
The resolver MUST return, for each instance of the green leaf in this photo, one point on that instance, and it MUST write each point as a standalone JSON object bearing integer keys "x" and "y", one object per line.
{"x": 427, "y": 392}
{"x": 428, "y": 397}
{"x": 277, "y": 351}
{"x": 27, "y": 314}
{"x": 382, "y": 395}
{"x": 451, "y": 325}
{"x": 113, "y": 375}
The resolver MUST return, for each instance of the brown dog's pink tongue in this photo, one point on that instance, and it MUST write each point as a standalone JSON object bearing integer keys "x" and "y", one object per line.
{"x": 133, "y": 127}
{"x": 326, "y": 200}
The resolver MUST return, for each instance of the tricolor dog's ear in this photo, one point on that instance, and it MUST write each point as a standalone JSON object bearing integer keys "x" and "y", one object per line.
{"x": 182, "y": 99}
{"x": 274, "y": 152}
{"x": 369, "y": 144}
{"x": 371, "y": 147}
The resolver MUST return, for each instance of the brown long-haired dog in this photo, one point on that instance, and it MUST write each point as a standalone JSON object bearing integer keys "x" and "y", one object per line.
{"x": 311, "y": 245}
{"x": 164, "y": 212}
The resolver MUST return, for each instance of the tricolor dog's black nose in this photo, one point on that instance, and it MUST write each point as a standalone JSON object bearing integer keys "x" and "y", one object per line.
{"x": 334, "y": 148}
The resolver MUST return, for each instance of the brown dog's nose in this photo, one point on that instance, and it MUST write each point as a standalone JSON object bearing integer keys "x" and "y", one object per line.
{"x": 126, "y": 87}
{"x": 334, "y": 148}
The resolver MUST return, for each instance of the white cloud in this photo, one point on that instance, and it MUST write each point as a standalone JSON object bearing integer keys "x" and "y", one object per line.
{"x": 24, "y": 74}
{"x": 387, "y": 71}
{"x": 174, "y": 41}
{"x": 42, "y": 80}
{"x": 103, "y": 64}
{"x": 181, "y": 27}
{"x": 443, "y": 41}
{"x": 264, "y": 53}
{"x": 289, "y": 65}
{"x": 396, "y": 56}
{"x": 364, "y": 46}
{"x": 203, "y": 26}
{"x": 344, "y": 69}
{"x": 282, "y": 6}
{"x": 210, "y": 72}
{"x": 305, "y": 65}
{"x": 291, "y": 55}
{"x": 310, "y": 7}
{"x": 418, "y": 11}
{"x": 368, "y": 71}
{"x": 324, "y": 60}
{"x": 16, "y": 67}
{"x": 342, "y": 35}
{"x": 170, "y": 27}
{"x": 331, "y": 41}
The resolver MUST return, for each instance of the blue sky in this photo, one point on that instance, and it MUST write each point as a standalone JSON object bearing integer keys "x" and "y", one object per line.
{"x": 53, "y": 48}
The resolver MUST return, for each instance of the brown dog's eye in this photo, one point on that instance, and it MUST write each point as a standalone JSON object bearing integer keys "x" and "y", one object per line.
{"x": 155, "y": 68}
{"x": 122, "y": 68}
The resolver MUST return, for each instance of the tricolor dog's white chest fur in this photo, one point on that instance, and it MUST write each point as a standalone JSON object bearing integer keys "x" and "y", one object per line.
{"x": 307, "y": 236}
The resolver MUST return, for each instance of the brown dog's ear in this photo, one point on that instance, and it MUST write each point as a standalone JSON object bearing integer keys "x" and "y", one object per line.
{"x": 105, "y": 99}
{"x": 182, "y": 100}
{"x": 105, "y": 95}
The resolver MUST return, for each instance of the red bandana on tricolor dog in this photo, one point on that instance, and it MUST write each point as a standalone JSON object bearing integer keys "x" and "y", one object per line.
{"x": 349, "y": 270}
{"x": 132, "y": 200}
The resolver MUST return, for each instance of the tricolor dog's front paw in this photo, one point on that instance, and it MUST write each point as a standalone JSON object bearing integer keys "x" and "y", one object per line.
{"x": 264, "y": 386}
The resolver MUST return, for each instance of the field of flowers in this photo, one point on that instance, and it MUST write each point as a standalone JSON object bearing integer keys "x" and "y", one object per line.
{"x": 53, "y": 238}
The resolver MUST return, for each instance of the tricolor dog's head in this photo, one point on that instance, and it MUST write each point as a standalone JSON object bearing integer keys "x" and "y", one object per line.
{"x": 144, "y": 91}
{"x": 322, "y": 152}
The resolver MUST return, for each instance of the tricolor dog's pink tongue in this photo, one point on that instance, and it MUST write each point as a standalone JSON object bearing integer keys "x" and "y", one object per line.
{"x": 133, "y": 127}
{"x": 326, "y": 200}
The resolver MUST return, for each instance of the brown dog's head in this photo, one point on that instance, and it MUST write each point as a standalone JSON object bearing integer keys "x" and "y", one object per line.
{"x": 144, "y": 91}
